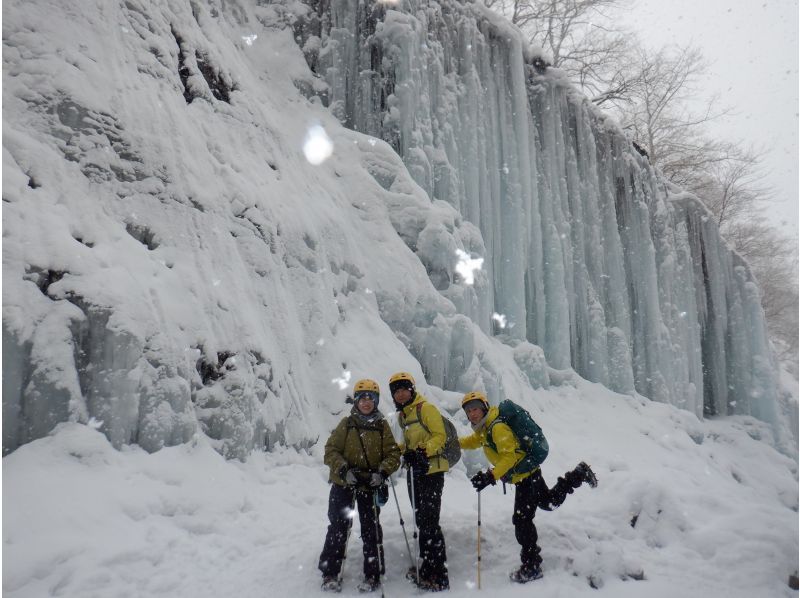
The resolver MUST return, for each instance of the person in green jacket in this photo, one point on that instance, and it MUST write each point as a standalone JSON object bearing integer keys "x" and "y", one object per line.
{"x": 424, "y": 438}
{"x": 504, "y": 451}
{"x": 360, "y": 453}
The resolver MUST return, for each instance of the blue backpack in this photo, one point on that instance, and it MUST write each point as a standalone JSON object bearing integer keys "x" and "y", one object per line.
{"x": 528, "y": 433}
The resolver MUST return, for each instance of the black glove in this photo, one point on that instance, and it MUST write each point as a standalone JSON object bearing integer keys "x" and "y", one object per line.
{"x": 376, "y": 479}
{"x": 482, "y": 479}
{"x": 416, "y": 460}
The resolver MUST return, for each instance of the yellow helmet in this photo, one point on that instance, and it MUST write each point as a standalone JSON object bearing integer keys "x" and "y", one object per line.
{"x": 366, "y": 385}
{"x": 401, "y": 380}
{"x": 475, "y": 395}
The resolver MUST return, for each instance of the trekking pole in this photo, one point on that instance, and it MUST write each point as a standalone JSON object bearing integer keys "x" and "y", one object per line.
{"x": 479, "y": 540}
{"x": 402, "y": 523}
{"x": 350, "y": 516}
{"x": 414, "y": 510}
{"x": 378, "y": 539}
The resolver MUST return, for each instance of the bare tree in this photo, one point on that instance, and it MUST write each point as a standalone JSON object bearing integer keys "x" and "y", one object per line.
{"x": 731, "y": 187}
{"x": 661, "y": 112}
{"x": 581, "y": 39}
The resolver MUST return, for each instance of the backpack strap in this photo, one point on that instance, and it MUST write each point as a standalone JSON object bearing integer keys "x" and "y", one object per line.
{"x": 489, "y": 437}
{"x": 419, "y": 418}
{"x": 364, "y": 450}
{"x": 404, "y": 424}
{"x": 353, "y": 424}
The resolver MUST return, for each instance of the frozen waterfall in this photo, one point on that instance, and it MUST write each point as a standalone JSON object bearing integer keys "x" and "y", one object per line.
{"x": 590, "y": 255}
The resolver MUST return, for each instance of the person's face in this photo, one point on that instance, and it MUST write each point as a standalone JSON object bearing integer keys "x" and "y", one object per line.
{"x": 474, "y": 414}
{"x": 365, "y": 404}
{"x": 402, "y": 395}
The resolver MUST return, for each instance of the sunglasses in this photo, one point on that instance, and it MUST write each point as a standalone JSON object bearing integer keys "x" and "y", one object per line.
{"x": 366, "y": 395}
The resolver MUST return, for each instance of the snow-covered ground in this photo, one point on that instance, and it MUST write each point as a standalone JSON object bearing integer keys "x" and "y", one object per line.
{"x": 715, "y": 514}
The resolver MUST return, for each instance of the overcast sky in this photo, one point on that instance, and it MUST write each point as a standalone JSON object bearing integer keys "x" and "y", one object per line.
{"x": 753, "y": 48}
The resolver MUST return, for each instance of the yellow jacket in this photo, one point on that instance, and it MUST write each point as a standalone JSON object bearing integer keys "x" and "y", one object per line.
{"x": 508, "y": 452}
{"x": 428, "y": 434}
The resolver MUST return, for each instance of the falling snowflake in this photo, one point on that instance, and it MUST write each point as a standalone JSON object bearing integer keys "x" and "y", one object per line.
{"x": 249, "y": 39}
{"x": 317, "y": 146}
{"x": 344, "y": 381}
{"x": 467, "y": 266}
{"x": 500, "y": 319}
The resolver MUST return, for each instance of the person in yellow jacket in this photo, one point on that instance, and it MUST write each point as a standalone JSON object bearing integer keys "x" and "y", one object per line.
{"x": 360, "y": 453}
{"x": 503, "y": 450}
{"x": 424, "y": 438}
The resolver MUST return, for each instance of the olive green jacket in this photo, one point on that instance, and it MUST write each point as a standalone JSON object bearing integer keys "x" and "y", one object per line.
{"x": 366, "y": 446}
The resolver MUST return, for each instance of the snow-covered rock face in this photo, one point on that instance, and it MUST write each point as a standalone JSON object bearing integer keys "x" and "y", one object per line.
{"x": 172, "y": 261}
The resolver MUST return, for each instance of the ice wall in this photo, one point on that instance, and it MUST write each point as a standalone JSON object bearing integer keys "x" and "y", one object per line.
{"x": 590, "y": 255}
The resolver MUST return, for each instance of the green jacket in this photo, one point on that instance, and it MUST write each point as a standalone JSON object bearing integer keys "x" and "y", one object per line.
{"x": 366, "y": 446}
{"x": 428, "y": 434}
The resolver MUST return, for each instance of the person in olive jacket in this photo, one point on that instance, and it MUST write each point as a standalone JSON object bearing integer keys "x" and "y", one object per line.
{"x": 424, "y": 438}
{"x": 360, "y": 453}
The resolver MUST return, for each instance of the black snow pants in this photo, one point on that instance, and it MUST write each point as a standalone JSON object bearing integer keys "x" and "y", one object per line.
{"x": 532, "y": 492}
{"x": 427, "y": 500}
{"x": 340, "y": 515}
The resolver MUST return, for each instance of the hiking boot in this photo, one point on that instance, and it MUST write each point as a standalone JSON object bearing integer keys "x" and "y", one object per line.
{"x": 411, "y": 574}
{"x": 370, "y": 584}
{"x": 331, "y": 584}
{"x": 434, "y": 585}
{"x": 525, "y": 574}
{"x": 586, "y": 474}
